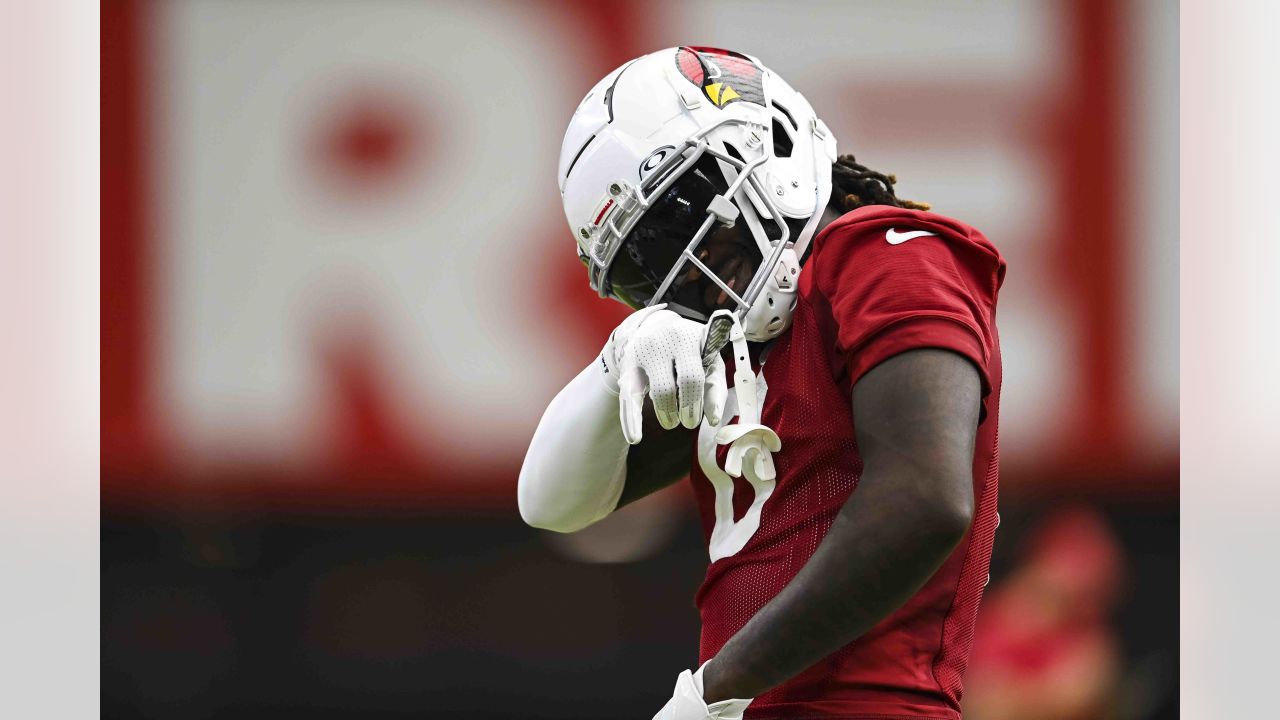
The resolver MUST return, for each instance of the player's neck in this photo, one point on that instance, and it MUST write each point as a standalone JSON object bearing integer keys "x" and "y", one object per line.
{"x": 829, "y": 215}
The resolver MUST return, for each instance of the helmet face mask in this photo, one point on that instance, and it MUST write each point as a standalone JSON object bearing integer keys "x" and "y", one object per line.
{"x": 679, "y": 252}
{"x": 730, "y": 253}
{"x": 707, "y": 205}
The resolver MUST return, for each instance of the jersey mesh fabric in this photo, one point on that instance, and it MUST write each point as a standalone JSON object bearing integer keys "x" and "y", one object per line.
{"x": 861, "y": 301}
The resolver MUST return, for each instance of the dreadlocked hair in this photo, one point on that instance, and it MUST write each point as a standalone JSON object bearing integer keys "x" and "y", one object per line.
{"x": 855, "y": 185}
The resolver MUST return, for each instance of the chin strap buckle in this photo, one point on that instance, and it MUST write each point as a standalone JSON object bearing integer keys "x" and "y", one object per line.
{"x": 786, "y": 271}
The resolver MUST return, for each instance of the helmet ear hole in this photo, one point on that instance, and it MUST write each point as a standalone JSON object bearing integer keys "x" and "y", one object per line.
{"x": 786, "y": 113}
{"x": 782, "y": 143}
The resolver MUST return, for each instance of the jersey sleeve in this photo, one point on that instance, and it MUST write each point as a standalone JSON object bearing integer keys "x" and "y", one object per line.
{"x": 935, "y": 290}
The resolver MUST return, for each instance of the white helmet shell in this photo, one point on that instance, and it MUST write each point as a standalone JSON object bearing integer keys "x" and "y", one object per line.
{"x": 649, "y": 122}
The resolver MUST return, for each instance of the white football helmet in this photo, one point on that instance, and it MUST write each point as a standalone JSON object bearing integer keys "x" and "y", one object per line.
{"x": 664, "y": 163}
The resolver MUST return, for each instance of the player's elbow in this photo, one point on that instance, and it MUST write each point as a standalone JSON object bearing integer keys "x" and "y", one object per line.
{"x": 537, "y": 513}
{"x": 554, "y": 523}
{"x": 546, "y": 518}
{"x": 544, "y": 511}
{"x": 950, "y": 514}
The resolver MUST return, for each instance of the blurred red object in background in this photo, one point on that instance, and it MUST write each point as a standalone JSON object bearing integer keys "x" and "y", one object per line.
{"x": 1045, "y": 646}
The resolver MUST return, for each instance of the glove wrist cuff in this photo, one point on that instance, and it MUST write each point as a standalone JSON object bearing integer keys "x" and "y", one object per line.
{"x": 610, "y": 356}
{"x": 608, "y": 364}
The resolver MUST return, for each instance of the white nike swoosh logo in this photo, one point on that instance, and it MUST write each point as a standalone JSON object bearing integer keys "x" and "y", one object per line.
{"x": 897, "y": 238}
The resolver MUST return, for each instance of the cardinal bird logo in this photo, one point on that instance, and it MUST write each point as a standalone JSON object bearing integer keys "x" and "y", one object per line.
{"x": 724, "y": 76}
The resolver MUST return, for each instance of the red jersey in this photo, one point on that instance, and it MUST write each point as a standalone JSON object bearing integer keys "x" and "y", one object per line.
{"x": 879, "y": 281}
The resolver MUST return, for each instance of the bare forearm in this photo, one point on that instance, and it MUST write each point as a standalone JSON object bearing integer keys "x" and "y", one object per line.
{"x": 915, "y": 417}
{"x": 880, "y": 550}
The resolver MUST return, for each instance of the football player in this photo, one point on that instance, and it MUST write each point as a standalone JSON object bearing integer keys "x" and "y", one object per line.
{"x": 847, "y": 484}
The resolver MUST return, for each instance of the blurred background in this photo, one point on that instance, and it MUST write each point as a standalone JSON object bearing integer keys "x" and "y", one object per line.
{"x": 338, "y": 291}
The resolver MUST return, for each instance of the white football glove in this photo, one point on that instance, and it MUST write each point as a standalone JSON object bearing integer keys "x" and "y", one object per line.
{"x": 687, "y": 703}
{"x": 657, "y": 352}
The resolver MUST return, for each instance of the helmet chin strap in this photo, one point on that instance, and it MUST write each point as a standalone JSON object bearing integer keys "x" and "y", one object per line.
{"x": 811, "y": 226}
{"x": 765, "y": 319}
{"x": 770, "y": 313}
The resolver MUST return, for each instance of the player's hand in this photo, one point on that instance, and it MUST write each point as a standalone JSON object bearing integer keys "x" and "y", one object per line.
{"x": 656, "y": 352}
{"x": 686, "y": 702}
